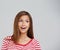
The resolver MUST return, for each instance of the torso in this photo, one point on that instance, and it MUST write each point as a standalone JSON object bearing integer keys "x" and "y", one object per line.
{"x": 24, "y": 41}
{"x": 29, "y": 44}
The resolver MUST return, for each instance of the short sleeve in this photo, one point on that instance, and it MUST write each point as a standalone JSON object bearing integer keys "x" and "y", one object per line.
{"x": 5, "y": 43}
{"x": 37, "y": 46}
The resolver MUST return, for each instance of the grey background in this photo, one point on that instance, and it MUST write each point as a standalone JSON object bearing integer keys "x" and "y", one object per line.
{"x": 46, "y": 20}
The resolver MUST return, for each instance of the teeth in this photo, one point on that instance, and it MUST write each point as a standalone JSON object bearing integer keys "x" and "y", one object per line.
{"x": 23, "y": 27}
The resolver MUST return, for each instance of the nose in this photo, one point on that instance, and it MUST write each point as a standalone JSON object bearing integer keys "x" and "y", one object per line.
{"x": 23, "y": 23}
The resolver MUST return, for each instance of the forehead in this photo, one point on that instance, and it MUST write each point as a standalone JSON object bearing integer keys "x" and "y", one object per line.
{"x": 24, "y": 17}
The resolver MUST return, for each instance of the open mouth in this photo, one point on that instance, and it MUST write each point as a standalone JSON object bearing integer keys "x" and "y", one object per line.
{"x": 23, "y": 27}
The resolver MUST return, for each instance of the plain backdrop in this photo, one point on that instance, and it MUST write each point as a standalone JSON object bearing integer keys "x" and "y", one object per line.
{"x": 45, "y": 15}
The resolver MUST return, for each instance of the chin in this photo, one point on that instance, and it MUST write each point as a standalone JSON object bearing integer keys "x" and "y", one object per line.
{"x": 23, "y": 31}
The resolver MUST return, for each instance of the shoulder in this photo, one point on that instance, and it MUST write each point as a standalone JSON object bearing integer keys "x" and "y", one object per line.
{"x": 7, "y": 38}
{"x": 37, "y": 45}
{"x": 36, "y": 41}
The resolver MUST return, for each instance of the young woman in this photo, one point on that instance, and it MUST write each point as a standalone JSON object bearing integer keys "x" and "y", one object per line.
{"x": 22, "y": 38}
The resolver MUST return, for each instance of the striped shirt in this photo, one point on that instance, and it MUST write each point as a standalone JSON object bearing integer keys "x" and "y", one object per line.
{"x": 10, "y": 45}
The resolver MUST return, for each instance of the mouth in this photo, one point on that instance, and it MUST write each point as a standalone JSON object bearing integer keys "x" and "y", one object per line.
{"x": 23, "y": 27}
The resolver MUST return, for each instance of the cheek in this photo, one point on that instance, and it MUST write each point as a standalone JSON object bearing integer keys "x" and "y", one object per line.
{"x": 19, "y": 24}
{"x": 28, "y": 24}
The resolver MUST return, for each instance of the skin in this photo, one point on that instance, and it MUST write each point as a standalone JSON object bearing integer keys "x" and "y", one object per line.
{"x": 24, "y": 24}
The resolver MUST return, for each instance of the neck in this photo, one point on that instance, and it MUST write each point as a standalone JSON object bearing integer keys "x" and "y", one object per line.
{"x": 23, "y": 35}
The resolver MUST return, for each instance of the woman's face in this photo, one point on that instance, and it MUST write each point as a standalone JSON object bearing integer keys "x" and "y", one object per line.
{"x": 24, "y": 24}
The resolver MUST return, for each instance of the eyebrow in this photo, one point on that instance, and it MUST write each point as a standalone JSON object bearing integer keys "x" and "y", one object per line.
{"x": 22, "y": 19}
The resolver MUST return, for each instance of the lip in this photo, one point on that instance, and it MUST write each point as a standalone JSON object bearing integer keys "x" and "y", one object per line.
{"x": 23, "y": 27}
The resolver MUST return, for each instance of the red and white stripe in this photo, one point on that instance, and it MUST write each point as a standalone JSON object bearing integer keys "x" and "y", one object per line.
{"x": 9, "y": 45}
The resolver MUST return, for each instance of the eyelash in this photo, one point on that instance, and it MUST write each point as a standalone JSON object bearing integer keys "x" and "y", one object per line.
{"x": 27, "y": 21}
{"x": 22, "y": 21}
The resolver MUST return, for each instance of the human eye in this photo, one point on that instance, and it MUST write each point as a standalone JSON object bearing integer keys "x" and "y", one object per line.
{"x": 27, "y": 21}
{"x": 20, "y": 20}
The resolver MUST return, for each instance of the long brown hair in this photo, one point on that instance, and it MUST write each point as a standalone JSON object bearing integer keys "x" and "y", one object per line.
{"x": 16, "y": 32}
